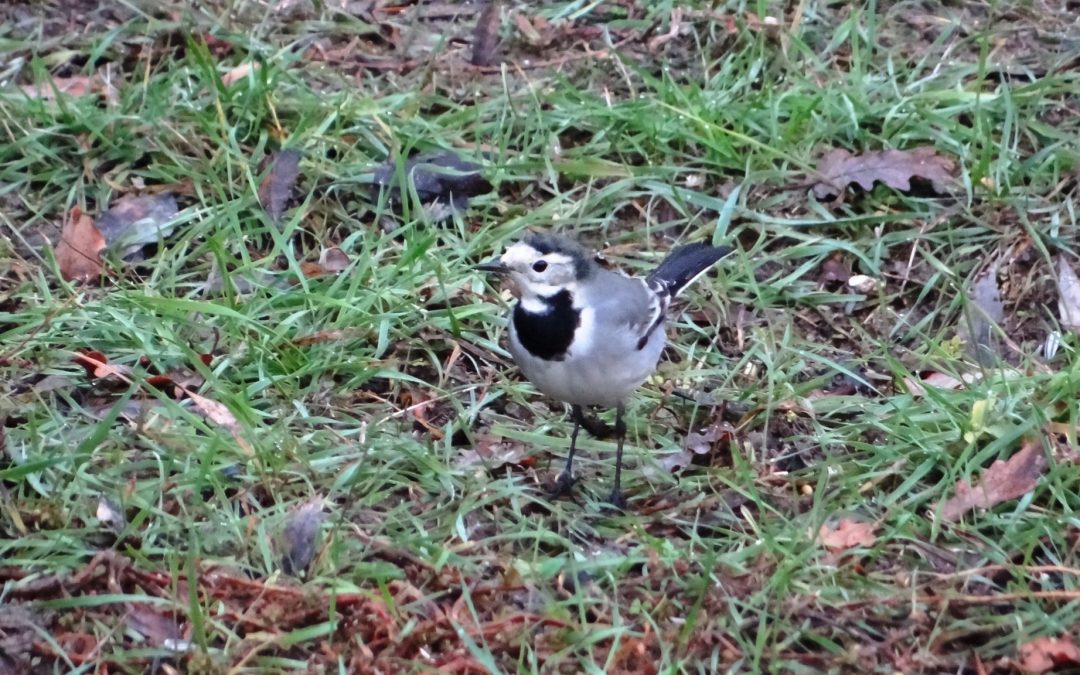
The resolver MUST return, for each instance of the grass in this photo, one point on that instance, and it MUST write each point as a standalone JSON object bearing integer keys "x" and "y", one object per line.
{"x": 428, "y": 557}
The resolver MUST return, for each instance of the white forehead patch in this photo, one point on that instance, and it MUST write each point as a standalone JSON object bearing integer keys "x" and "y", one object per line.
{"x": 523, "y": 255}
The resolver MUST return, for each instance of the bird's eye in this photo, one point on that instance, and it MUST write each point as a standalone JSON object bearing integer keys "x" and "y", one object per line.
{"x": 539, "y": 266}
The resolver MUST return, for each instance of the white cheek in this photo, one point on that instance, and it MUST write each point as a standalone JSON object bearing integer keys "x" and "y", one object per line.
{"x": 534, "y": 305}
{"x": 537, "y": 289}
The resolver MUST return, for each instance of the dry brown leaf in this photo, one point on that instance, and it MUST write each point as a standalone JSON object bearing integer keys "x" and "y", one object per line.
{"x": 76, "y": 86}
{"x": 214, "y": 411}
{"x": 1044, "y": 654}
{"x": 299, "y": 537}
{"x": 486, "y": 35}
{"x": 334, "y": 260}
{"x": 535, "y": 30}
{"x": 703, "y": 443}
{"x": 984, "y": 312}
{"x": 159, "y": 629}
{"x": 97, "y": 367}
{"x": 839, "y": 168}
{"x": 110, "y": 515}
{"x": 133, "y": 222}
{"x": 674, "y": 26}
{"x": 238, "y": 73}
{"x": 917, "y": 387}
{"x": 846, "y": 533}
{"x": 1004, "y": 480}
{"x": 1068, "y": 295}
{"x": 219, "y": 415}
{"x": 78, "y": 254}
{"x": 329, "y": 335}
{"x": 493, "y": 452}
{"x": 835, "y": 269}
{"x": 276, "y": 187}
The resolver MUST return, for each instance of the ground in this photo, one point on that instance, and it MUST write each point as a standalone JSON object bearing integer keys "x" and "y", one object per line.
{"x": 264, "y": 419}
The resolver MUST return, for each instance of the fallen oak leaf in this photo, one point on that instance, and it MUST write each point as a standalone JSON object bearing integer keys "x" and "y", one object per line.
{"x": 133, "y": 222}
{"x": 298, "y": 538}
{"x": 78, "y": 253}
{"x": 97, "y": 366}
{"x": 329, "y": 335}
{"x": 238, "y": 73}
{"x": 1068, "y": 295}
{"x": 1044, "y": 654}
{"x": 838, "y": 168}
{"x": 917, "y": 387}
{"x": 276, "y": 187}
{"x": 486, "y": 35}
{"x": 158, "y": 628}
{"x": 442, "y": 177}
{"x": 1004, "y": 480}
{"x": 333, "y": 259}
{"x": 983, "y": 312}
{"x": 110, "y": 515}
{"x": 846, "y": 533}
{"x": 219, "y": 415}
{"x": 76, "y": 86}
{"x": 494, "y": 452}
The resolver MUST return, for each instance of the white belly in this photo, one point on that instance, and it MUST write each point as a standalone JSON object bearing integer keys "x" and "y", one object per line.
{"x": 603, "y": 371}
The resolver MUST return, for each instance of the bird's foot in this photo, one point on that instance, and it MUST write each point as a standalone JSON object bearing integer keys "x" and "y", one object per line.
{"x": 617, "y": 500}
{"x": 564, "y": 484}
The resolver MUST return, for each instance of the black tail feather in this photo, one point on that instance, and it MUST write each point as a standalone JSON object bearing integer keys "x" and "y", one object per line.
{"x": 684, "y": 264}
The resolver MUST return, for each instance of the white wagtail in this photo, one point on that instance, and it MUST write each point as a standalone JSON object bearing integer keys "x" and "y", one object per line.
{"x": 588, "y": 336}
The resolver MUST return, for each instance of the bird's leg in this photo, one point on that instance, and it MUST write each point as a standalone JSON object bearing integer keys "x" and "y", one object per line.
{"x": 566, "y": 480}
{"x": 616, "y": 499}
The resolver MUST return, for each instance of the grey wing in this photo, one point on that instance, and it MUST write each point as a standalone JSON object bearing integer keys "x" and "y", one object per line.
{"x": 626, "y": 303}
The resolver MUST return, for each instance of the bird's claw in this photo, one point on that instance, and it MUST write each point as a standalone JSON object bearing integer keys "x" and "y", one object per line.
{"x": 564, "y": 484}
{"x": 617, "y": 500}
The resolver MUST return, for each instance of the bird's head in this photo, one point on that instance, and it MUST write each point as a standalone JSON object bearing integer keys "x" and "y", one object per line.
{"x": 541, "y": 265}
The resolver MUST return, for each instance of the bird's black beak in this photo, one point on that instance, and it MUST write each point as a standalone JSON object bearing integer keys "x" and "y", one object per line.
{"x": 493, "y": 267}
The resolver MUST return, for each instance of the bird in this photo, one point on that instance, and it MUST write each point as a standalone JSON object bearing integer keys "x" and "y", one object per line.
{"x": 589, "y": 336}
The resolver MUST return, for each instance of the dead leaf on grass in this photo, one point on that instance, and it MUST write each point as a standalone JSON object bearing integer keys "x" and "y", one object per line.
{"x": 276, "y": 187}
{"x": 219, "y": 415}
{"x": 845, "y": 533}
{"x": 110, "y": 515}
{"x": 329, "y": 335}
{"x": 331, "y": 261}
{"x": 19, "y": 626}
{"x": 1068, "y": 295}
{"x": 486, "y": 35}
{"x": 134, "y": 222}
{"x": 299, "y": 537}
{"x": 984, "y": 312}
{"x": 159, "y": 629}
{"x": 493, "y": 452}
{"x": 917, "y": 386}
{"x": 97, "y": 367}
{"x": 438, "y": 177}
{"x": 839, "y": 168}
{"x": 1044, "y": 654}
{"x": 75, "y": 86}
{"x": 535, "y": 29}
{"x": 78, "y": 253}
{"x": 863, "y": 284}
{"x": 697, "y": 443}
{"x": 835, "y": 268}
{"x": 1004, "y": 480}
{"x": 239, "y": 73}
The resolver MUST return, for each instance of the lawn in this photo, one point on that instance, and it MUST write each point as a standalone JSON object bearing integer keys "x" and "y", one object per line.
{"x": 258, "y": 410}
